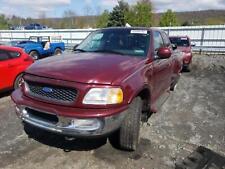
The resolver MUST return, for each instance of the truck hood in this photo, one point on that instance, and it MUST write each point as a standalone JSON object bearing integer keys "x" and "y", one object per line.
{"x": 21, "y": 45}
{"x": 92, "y": 68}
{"x": 184, "y": 49}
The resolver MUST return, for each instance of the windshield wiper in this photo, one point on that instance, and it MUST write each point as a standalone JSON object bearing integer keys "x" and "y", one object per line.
{"x": 79, "y": 50}
{"x": 108, "y": 51}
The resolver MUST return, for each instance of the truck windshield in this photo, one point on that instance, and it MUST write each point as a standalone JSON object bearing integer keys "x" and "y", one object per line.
{"x": 117, "y": 41}
{"x": 179, "y": 41}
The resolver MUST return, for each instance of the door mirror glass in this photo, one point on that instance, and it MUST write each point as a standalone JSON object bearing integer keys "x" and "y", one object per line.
{"x": 193, "y": 44}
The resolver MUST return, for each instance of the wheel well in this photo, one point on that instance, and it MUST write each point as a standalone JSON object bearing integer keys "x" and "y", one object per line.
{"x": 144, "y": 94}
{"x": 34, "y": 51}
{"x": 14, "y": 81}
{"x": 57, "y": 48}
{"x": 146, "y": 110}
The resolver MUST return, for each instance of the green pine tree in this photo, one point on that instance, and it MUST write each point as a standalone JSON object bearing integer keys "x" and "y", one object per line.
{"x": 168, "y": 19}
{"x": 103, "y": 19}
{"x": 117, "y": 16}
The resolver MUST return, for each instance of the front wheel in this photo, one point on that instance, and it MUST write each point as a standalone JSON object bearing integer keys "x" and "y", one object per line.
{"x": 58, "y": 51}
{"x": 128, "y": 135}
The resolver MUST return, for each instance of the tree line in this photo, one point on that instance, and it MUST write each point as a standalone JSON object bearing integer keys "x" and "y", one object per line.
{"x": 140, "y": 14}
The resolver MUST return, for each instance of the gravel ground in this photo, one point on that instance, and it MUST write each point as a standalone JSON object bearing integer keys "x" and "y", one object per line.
{"x": 193, "y": 115}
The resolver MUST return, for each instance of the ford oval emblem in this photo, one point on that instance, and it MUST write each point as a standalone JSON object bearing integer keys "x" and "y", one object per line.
{"x": 47, "y": 89}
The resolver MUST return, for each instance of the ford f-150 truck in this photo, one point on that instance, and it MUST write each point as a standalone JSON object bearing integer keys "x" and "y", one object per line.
{"x": 115, "y": 79}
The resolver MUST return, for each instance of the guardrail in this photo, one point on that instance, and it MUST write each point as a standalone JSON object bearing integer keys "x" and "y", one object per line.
{"x": 208, "y": 39}
{"x": 69, "y": 36}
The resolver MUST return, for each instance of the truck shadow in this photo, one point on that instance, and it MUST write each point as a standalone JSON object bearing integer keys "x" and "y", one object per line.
{"x": 5, "y": 94}
{"x": 59, "y": 141}
{"x": 202, "y": 158}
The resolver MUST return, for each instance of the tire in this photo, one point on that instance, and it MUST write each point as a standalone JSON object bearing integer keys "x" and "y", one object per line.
{"x": 174, "y": 83}
{"x": 18, "y": 82}
{"x": 34, "y": 55}
{"x": 127, "y": 137}
{"x": 187, "y": 68}
{"x": 57, "y": 51}
{"x": 173, "y": 87}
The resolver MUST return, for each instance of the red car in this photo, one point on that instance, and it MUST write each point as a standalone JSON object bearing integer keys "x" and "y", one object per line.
{"x": 13, "y": 62}
{"x": 183, "y": 43}
{"x": 116, "y": 78}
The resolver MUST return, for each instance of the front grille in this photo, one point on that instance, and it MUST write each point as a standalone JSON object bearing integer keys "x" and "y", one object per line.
{"x": 51, "y": 92}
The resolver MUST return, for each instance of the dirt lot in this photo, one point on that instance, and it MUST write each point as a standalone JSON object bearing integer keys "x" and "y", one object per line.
{"x": 194, "y": 115}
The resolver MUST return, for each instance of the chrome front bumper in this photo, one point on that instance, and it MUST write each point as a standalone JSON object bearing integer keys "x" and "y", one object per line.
{"x": 73, "y": 127}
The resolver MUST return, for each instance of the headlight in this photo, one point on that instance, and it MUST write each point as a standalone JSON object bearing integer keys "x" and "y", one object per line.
{"x": 187, "y": 52}
{"x": 103, "y": 96}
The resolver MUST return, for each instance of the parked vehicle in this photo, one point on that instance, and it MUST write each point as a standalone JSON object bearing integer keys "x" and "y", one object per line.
{"x": 35, "y": 26}
{"x": 183, "y": 43}
{"x": 13, "y": 62}
{"x": 17, "y": 27}
{"x": 41, "y": 46}
{"x": 116, "y": 78}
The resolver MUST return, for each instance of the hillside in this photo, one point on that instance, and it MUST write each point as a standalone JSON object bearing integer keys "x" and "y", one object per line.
{"x": 207, "y": 17}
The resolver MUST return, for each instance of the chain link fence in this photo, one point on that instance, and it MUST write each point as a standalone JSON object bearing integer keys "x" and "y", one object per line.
{"x": 208, "y": 39}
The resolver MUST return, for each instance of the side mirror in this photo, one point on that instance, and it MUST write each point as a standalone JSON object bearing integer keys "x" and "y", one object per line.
{"x": 75, "y": 46}
{"x": 164, "y": 53}
{"x": 193, "y": 44}
{"x": 174, "y": 46}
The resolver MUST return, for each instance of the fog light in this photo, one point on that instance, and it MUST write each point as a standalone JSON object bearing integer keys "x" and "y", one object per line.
{"x": 24, "y": 113}
{"x": 85, "y": 124}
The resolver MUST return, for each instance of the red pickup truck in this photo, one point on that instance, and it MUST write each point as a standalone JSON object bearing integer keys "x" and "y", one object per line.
{"x": 184, "y": 44}
{"x": 112, "y": 82}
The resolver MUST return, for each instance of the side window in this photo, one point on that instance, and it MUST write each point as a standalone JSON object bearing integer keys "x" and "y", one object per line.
{"x": 158, "y": 41}
{"x": 166, "y": 39}
{"x": 4, "y": 55}
{"x": 13, "y": 54}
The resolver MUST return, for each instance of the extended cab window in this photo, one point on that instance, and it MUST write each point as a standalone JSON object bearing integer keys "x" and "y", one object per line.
{"x": 158, "y": 41}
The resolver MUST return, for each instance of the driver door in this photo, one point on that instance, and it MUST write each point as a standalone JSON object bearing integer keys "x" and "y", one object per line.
{"x": 161, "y": 68}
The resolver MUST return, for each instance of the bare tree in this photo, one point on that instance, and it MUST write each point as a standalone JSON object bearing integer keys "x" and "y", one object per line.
{"x": 69, "y": 15}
